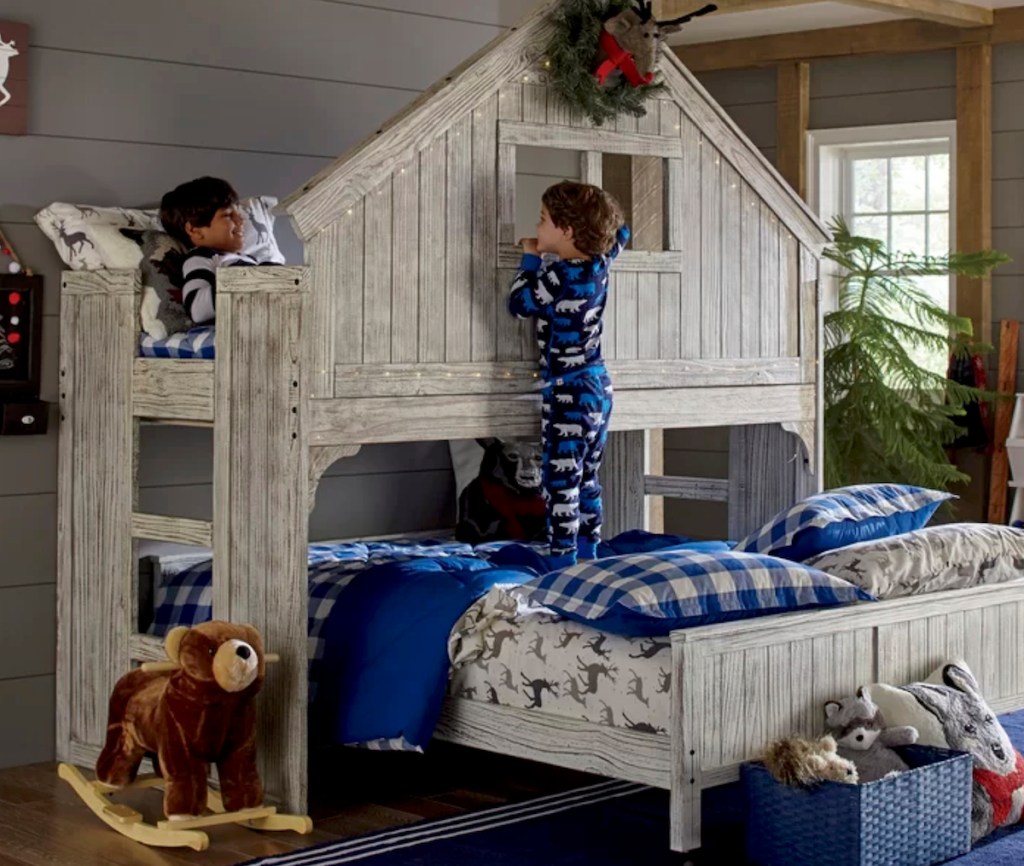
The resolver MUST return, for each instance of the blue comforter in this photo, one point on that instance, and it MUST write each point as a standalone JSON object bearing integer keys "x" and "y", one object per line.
{"x": 379, "y": 619}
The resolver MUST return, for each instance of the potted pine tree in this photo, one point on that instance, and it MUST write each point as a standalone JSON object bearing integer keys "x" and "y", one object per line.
{"x": 888, "y": 415}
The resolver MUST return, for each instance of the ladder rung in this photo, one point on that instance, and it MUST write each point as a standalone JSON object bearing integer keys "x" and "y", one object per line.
{"x": 181, "y": 530}
{"x": 685, "y": 487}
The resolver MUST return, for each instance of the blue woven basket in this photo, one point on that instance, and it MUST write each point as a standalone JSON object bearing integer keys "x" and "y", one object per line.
{"x": 919, "y": 817}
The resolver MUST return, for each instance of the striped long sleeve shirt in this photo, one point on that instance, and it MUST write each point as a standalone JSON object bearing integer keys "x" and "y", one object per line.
{"x": 199, "y": 280}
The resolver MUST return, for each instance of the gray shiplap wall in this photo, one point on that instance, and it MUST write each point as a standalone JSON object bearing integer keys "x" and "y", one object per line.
{"x": 129, "y": 98}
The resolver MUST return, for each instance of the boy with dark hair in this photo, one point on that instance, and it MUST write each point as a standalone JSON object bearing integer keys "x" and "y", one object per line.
{"x": 582, "y": 226}
{"x": 204, "y": 215}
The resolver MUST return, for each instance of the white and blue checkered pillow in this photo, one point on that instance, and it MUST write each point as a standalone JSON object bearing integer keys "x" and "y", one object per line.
{"x": 650, "y": 594}
{"x": 835, "y": 518}
{"x": 195, "y": 343}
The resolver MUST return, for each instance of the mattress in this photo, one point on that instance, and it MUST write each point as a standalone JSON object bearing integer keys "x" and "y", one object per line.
{"x": 509, "y": 653}
{"x": 196, "y": 343}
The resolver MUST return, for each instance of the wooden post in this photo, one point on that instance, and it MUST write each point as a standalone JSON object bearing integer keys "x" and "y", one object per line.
{"x": 623, "y": 468}
{"x": 261, "y": 497}
{"x": 767, "y": 473}
{"x": 974, "y": 179}
{"x": 96, "y": 495}
{"x": 793, "y": 106}
{"x": 1009, "y": 331}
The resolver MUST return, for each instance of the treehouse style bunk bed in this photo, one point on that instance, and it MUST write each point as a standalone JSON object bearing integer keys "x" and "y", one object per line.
{"x": 395, "y": 331}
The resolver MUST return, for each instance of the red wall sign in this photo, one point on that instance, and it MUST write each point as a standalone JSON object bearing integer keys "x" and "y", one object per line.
{"x": 13, "y": 78}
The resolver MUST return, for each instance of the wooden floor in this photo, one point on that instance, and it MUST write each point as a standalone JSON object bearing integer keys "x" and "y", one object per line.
{"x": 43, "y": 823}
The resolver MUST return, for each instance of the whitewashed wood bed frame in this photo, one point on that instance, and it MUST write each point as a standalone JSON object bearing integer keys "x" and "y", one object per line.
{"x": 395, "y": 331}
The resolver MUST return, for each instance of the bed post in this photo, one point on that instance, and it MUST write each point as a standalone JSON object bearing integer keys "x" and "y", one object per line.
{"x": 95, "y": 500}
{"x": 261, "y": 496}
{"x": 623, "y": 467}
{"x": 768, "y": 471}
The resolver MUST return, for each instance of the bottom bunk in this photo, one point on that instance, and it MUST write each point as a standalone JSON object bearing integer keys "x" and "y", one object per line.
{"x": 711, "y": 696}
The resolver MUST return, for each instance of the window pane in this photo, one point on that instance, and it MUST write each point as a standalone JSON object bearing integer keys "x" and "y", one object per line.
{"x": 869, "y": 185}
{"x": 937, "y": 288}
{"x": 938, "y": 181}
{"x": 871, "y": 227}
{"x": 908, "y": 234}
{"x": 908, "y": 183}
{"x": 938, "y": 234}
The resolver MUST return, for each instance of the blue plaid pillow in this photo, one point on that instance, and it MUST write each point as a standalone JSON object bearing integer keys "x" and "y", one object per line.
{"x": 647, "y": 594}
{"x": 835, "y": 518}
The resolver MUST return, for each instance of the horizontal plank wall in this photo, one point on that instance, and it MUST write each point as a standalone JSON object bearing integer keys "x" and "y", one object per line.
{"x": 178, "y": 104}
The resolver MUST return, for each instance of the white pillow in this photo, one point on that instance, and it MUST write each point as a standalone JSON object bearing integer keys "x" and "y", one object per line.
{"x": 88, "y": 237}
{"x": 948, "y": 556}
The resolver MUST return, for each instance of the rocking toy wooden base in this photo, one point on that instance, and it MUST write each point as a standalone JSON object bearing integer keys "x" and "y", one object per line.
{"x": 173, "y": 834}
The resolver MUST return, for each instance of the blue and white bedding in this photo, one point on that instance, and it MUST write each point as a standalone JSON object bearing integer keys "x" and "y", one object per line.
{"x": 379, "y": 662}
{"x": 196, "y": 343}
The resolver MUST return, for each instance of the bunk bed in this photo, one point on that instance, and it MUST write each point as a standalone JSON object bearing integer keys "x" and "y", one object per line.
{"x": 395, "y": 331}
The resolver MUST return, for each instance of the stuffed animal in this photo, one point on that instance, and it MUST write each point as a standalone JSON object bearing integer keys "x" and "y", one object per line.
{"x": 951, "y": 713}
{"x": 859, "y": 729}
{"x": 631, "y": 40}
{"x": 197, "y": 714}
{"x": 796, "y": 761}
{"x": 505, "y": 500}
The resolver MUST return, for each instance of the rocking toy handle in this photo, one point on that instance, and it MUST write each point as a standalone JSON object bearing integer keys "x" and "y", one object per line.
{"x": 159, "y": 667}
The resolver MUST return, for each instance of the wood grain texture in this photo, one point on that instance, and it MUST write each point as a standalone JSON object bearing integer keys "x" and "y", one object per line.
{"x": 1009, "y": 334}
{"x": 180, "y": 530}
{"x": 484, "y": 290}
{"x": 348, "y": 325}
{"x": 974, "y": 179}
{"x": 888, "y": 37}
{"x": 405, "y": 261}
{"x": 459, "y": 248}
{"x": 329, "y": 285}
{"x": 95, "y": 566}
{"x": 793, "y": 109}
{"x": 402, "y": 419}
{"x": 573, "y": 138}
{"x": 623, "y": 468}
{"x": 171, "y": 388}
{"x": 433, "y": 246}
{"x": 261, "y": 497}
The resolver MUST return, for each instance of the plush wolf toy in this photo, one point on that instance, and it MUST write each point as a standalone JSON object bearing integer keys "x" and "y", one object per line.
{"x": 859, "y": 729}
{"x": 505, "y": 500}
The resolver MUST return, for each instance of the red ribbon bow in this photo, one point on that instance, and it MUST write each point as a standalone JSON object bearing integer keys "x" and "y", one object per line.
{"x": 619, "y": 58}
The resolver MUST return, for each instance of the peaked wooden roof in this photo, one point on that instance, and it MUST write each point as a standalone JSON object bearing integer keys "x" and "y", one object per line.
{"x": 327, "y": 196}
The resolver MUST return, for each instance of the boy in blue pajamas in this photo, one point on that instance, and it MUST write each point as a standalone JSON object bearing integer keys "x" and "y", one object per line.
{"x": 581, "y": 225}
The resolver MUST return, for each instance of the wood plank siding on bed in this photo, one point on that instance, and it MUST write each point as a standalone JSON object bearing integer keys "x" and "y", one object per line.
{"x": 129, "y": 99}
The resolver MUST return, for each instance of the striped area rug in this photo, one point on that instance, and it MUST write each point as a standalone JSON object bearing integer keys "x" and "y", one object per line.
{"x": 606, "y": 824}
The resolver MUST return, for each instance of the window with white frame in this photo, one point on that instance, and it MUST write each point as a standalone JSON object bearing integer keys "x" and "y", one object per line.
{"x": 894, "y": 183}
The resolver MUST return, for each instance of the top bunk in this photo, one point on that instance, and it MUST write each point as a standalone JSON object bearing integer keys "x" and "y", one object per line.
{"x": 396, "y": 329}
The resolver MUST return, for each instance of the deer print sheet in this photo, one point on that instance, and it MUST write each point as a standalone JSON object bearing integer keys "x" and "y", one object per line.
{"x": 508, "y": 652}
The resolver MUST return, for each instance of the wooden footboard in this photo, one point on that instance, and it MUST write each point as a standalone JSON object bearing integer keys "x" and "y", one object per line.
{"x": 746, "y": 683}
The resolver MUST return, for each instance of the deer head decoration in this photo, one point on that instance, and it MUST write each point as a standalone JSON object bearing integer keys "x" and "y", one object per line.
{"x": 632, "y": 41}
{"x": 7, "y": 51}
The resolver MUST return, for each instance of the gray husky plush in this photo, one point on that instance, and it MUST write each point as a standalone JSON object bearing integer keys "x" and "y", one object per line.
{"x": 969, "y": 725}
{"x": 160, "y": 312}
{"x": 859, "y": 729}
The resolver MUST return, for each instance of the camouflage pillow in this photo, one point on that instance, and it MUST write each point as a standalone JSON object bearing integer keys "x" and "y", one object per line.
{"x": 949, "y": 711}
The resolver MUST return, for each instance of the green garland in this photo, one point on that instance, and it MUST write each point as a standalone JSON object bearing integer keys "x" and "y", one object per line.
{"x": 572, "y": 53}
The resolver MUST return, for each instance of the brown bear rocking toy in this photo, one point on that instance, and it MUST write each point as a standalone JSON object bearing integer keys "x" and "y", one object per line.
{"x": 192, "y": 711}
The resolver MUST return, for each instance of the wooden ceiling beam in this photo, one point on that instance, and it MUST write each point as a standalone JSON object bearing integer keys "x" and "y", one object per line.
{"x": 889, "y": 37}
{"x": 949, "y": 12}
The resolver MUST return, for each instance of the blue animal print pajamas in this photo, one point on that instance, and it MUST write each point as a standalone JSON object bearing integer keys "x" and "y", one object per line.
{"x": 567, "y": 299}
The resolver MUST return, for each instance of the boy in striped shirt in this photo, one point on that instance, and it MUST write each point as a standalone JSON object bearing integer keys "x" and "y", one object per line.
{"x": 204, "y": 215}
